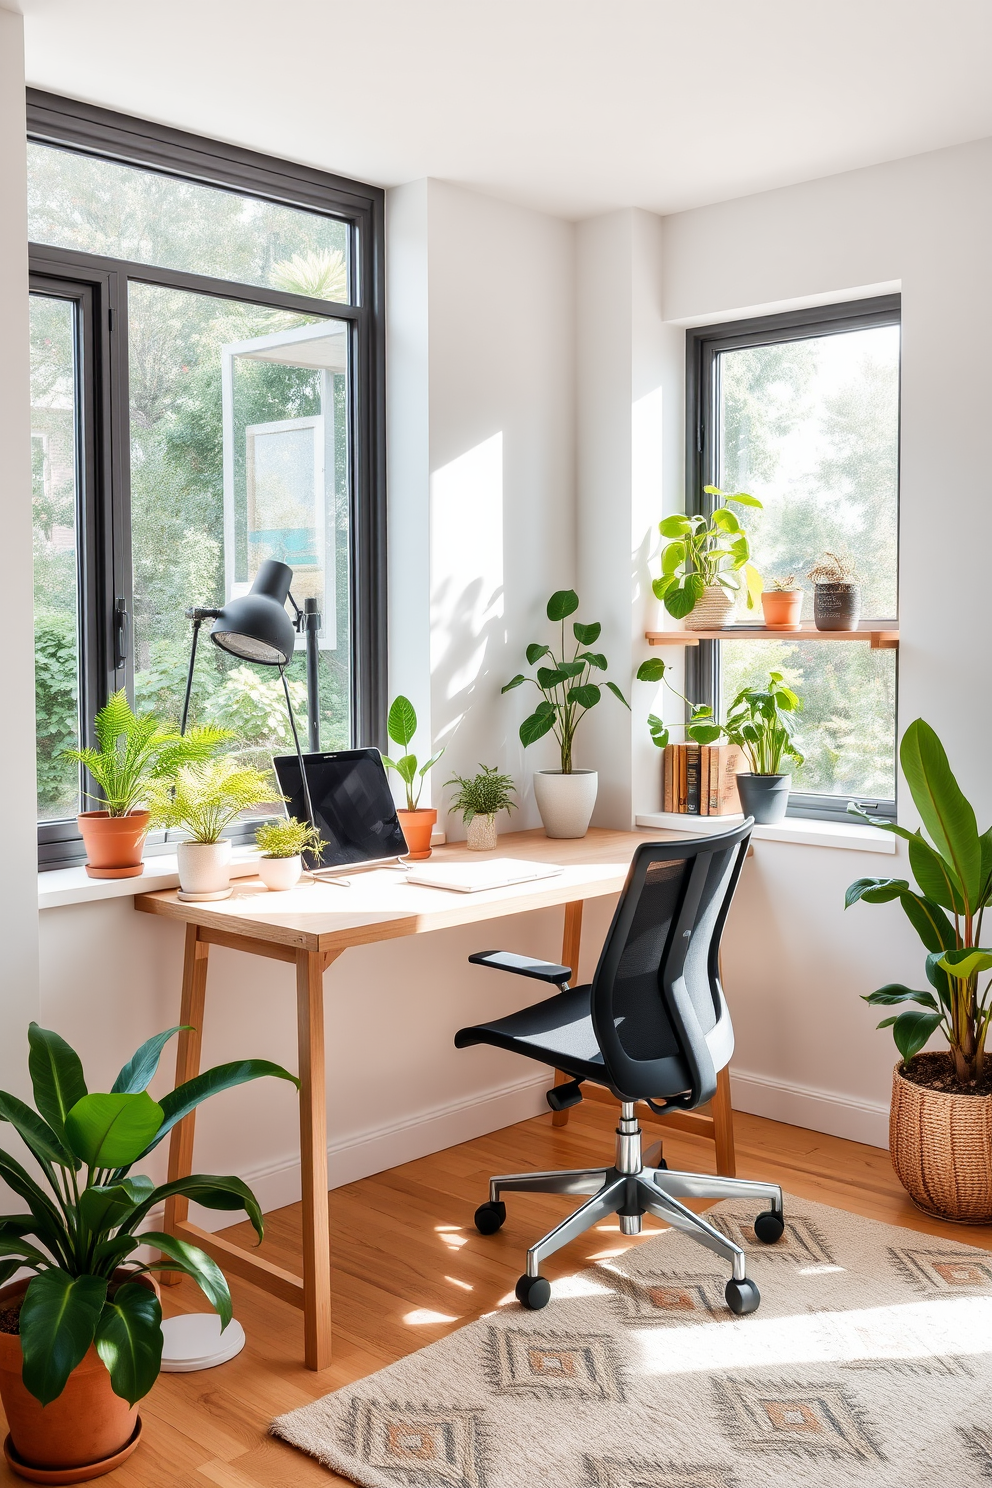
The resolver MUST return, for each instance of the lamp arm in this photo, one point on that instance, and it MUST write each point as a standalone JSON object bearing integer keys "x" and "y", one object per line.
{"x": 299, "y": 751}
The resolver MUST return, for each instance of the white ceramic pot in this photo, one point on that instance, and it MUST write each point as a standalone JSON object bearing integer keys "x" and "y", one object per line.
{"x": 204, "y": 869}
{"x": 481, "y": 833}
{"x": 566, "y": 801}
{"x": 280, "y": 873}
{"x": 712, "y": 611}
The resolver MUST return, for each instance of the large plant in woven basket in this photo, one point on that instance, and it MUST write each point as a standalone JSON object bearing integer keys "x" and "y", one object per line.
{"x": 941, "y": 1124}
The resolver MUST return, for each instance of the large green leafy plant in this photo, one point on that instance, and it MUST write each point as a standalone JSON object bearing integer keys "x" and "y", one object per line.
{"x": 566, "y": 681}
{"x": 704, "y": 551}
{"x": 137, "y": 752}
{"x": 80, "y": 1236}
{"x": 760, "y": 721}
{"x": 953, "y": 872}
{"x": 401, "y": 725}
{"x": 202, "y": 799}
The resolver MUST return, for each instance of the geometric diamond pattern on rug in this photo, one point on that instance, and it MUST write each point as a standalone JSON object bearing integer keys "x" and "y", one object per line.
{"x": 418, "y": 1444}
{"x": 668, "y": 1297}
{"x": 801, "y": 1242}
{"x": 554, "y": 1364}
{"x": 978, "y": 1440}
{"x": 612, "y": 1472}
{"x": 792, "y": 1416}
{"x": 930, "y": 1270}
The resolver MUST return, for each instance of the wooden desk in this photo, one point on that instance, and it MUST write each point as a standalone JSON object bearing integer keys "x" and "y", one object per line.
{"x": 311, "y": 926}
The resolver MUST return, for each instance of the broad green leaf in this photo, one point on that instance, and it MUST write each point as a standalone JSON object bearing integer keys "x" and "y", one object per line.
{"x": 186, "y": 1097}
{"x": 105, "y": 1206}
{"x": 672, "y": 558}
{"x": 58, "y": 1319}
{"x": 594, "y": 658}
{"x": 896, "y": 992}
{"x": 550, "y": 677}
{"x": 401, "y": 724}
{"x": 49, "y": 1226}
{"x": 35, "y": 1132}
{"x": 965, "y": 963}
{"x": 703, "y": 733}
{"x": 682, "y": 600}
{"x": 208, "y": 1189}
{"x": 586, "y": 635}
{"x": 676, "y": 526}
{"x": 108, "y": 1255}
{"x": 755, "y": 587}
{"x": 927, "y": 918}
{"x": 658, "y": 731}
{"x": 544, "y": 706}
{"x": 938, "y": 978}
{"x": 571, "y": 668}
{"x": 8, "y": 1269}
{"x": 535, "y": 727}
{"x": 617, "y": 693}
{"x": 513, "y": 682}
{"x": 56, "y": 1076}
{"x": 911, "y": 1031}
{"x": 947, "y": 814}
{"x": 112, "y": 1131}
{"x": 660, "y": 587}
{"x": 430, "y": 763}
{"x": 406, "y": 767}
{"x": 652, "y": 670}
{"x": 743, "y": 499}
{"x": 534, "y": 653}
{"x": 935, "y": 877}
{"x": 196, "y": 1263}
{"x": 140, "y": 1068}
{"x": 586, "y": 697}
{"x": 563, "y": 602}
{"x": 724, "y": 519}
{"x": 129, "y": 1340}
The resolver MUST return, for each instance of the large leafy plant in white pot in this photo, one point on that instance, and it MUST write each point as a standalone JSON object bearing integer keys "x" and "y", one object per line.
{"x": 568, "y": 687}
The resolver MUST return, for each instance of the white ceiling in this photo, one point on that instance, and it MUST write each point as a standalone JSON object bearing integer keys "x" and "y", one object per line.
{"x": 571, "y": 106}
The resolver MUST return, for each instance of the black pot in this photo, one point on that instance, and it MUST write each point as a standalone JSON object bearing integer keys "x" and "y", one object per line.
{"x": 836, "y": 606}
{"x": 765, "y": 797}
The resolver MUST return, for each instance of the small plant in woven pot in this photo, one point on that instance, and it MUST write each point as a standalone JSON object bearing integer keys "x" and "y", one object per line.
{"x": 479, "y": 801}
{"x": 941, "y": 1121}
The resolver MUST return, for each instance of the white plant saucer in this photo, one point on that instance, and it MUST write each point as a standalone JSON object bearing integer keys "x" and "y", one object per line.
{"x": 193, "y": 1340}
{"x": 198, "y": 898}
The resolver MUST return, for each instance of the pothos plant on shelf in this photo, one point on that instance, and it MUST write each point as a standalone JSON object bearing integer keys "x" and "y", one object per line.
{"x": 706, "y": 552}
{"x": 80, "y": 1237}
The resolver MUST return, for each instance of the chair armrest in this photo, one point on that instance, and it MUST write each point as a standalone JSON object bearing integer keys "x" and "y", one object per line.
{"x": 542, "y": 971}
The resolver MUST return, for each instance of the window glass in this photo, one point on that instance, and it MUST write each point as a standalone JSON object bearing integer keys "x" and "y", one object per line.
{"x": 811, "y": 427}
{"x": 239, "y": 452}
{"x": 54, "y": 477}
{"x": 121, "y": 211}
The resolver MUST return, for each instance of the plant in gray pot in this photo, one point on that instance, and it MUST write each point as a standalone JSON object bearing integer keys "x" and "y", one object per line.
{"x": 836, "y": 592}
{"x": 759, "y": 722}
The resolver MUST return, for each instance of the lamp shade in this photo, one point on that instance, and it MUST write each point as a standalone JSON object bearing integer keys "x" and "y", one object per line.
{"x": 255, "y": 626}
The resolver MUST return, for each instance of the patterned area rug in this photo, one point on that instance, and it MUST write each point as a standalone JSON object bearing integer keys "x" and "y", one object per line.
{"x": 868, "y": 1365}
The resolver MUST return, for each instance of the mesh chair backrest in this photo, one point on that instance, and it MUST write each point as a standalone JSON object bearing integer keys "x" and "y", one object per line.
{"x": 657, "y": 1005}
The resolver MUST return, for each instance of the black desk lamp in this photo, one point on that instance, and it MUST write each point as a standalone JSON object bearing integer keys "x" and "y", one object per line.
{"x": 256, "y": 627}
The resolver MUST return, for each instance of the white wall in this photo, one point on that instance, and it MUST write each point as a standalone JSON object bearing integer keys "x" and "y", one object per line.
{"x": 18, "y": 905}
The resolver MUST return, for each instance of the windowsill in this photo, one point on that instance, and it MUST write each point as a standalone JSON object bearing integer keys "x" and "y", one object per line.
{"x": 807, "y": 831}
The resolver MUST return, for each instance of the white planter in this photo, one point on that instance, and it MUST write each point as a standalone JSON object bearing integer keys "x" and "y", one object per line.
{"x": 566, "y": 801}
{"x": 481, "y": 833}
{"x": 712, "y": 611}
{"x": 280, "y": 873}
{"x": 204, "y": 869}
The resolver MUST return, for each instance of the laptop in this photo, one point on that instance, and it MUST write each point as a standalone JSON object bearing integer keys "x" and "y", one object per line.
{"x": 472, "y": 878}
{"x": 353, "y": 807}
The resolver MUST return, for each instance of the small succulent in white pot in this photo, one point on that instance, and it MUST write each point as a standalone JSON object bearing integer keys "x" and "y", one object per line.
{"x": 283, "y": 844}
{"x": 479, "y": 801}
{"x": 203, "y": 800}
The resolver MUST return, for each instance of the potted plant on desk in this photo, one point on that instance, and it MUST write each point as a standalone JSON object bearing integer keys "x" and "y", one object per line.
{"x": 479, "y": 801}
{"x": 417, "y": 821}
{"x": 203, "y": 799}
{"x": 759, "y": 722}
{"x": 132, "y": 754}
{"x": 81, "y": 1336}
{"x": 565, "y": 797}
{"x": 282, "y": 844}
{"x": 940, "y": 1127}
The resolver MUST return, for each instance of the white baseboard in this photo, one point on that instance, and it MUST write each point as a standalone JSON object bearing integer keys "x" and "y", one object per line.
{"x": 818, "y": 1110}
{"x": 371, "y": 1151}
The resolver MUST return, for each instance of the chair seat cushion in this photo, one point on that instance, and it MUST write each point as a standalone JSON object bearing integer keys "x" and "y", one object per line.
{"x": 557, "y": 1031}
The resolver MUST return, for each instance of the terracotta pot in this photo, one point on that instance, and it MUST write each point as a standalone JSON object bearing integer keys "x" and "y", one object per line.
{"x": 80, "y": 1430}
{"x": 566, "y": 801}
{"x": 113, "y": 843}
{"x": 712, "y": 611}
{"x": 941, "y": 1147}
{"x": 782, "y": 608}
{"x": 481, "y": 833}
{"x": 417, "y": 827}
{"x": 280, "y": 873}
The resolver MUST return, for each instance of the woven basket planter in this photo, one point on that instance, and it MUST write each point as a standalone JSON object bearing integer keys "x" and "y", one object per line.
{"x": 712, "y": 611}
{"x": 941, "y": 1148}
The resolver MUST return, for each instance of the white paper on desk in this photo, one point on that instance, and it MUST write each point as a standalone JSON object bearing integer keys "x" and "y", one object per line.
{"x": 470, "y": 878}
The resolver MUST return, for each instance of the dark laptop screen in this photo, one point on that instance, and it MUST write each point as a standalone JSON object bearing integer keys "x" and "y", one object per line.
{"x": 352, "y": 804}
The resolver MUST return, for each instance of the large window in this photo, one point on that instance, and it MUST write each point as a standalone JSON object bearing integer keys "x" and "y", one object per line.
{"x": 802, "y": 411}
{"x": 206, "y": 392}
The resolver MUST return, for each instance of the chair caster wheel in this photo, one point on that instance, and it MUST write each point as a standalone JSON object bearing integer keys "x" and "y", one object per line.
{"x": 490, "y": 1217}
{"x": 768, "y": 1227}
{"x": 533, "y": 1292}
{"x": 742, "y": 1297}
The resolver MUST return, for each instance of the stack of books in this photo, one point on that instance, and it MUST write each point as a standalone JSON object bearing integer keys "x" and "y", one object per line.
{"x": 700, "y": 779}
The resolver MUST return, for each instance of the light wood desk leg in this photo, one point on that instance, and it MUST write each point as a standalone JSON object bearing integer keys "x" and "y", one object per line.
{"x": 313, "y": 1157}
{"x": 723, "y": 1126}
{"x": 187, "y": 1065}
{"x": 571, "y": 941}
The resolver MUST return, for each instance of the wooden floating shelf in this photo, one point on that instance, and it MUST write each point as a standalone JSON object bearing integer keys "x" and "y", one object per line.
{"x": 878, "y": 639}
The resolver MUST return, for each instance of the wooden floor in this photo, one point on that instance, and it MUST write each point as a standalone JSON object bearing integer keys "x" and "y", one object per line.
{"x": 409, "y": 1267}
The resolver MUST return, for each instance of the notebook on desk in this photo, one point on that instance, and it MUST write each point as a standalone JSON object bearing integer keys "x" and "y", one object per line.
{"x": 471, "y": 878}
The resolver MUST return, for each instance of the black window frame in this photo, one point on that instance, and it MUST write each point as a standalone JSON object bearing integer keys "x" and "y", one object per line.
{"x": 99, "y": 286}
{"x": 703, "y": 347}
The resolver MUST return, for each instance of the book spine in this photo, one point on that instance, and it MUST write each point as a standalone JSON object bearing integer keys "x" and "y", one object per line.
{"x": 705, "y": 756}
{"x": 727, "y": 800}
{"x": 692, "y": 779}
{"x": 667, "y": 762}
{"x": 680, "y": 798}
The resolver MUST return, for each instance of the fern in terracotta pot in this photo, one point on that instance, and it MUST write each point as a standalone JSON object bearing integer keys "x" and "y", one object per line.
{"x": 80, "y": 1335}
{"x": 941, "y": 1121}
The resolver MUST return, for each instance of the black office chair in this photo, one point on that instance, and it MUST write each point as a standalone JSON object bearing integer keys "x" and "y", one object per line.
{"x": 653, "y": 1024}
